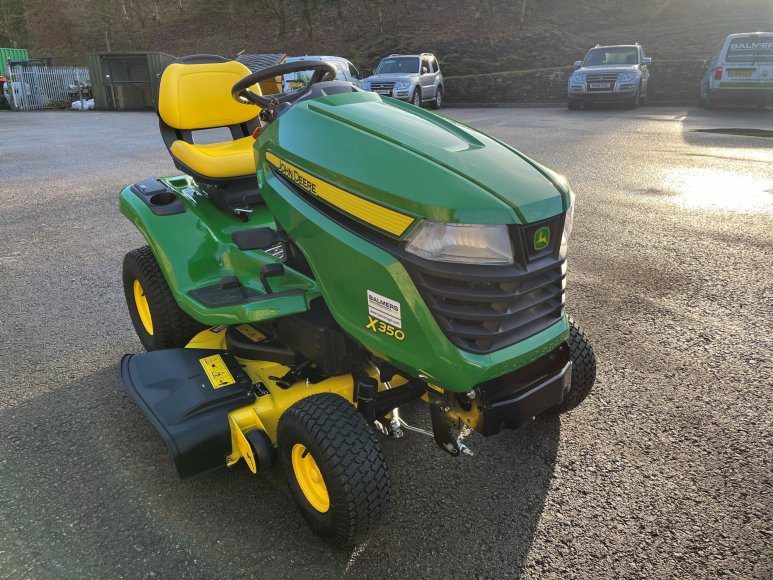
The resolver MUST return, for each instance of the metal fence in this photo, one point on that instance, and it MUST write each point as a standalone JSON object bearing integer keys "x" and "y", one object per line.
{"x": 38, "y": 87}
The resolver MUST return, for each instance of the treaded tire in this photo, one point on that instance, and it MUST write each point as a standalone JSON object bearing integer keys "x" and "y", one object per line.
{"x": 573, "y": 104}
{"x": 349, "y": 459}
{"x": 583, "y": 371}
{"x": 438, "y": 102}
{"x": 172, "y": 327}
{"x": 635, "y": 101}
{"x": 416, "y": 98}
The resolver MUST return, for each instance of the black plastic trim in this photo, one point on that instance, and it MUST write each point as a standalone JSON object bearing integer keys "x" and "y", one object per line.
{"x": 158, "y": 196}
{"x": 175, "y": 394}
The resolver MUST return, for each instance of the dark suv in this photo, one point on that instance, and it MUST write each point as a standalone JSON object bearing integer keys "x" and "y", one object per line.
{"x": 610, "y": 74}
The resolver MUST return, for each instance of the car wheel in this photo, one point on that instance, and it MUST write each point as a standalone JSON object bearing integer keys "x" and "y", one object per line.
{"x": 438, "y": 98}
{"x": 573, "y": 104}
{"x": 635, "y": 100}
{"x": 334, "y": 466}
{"x": 711, "y": 104}
{"x": 157, "y": 319}
{"x": 416, "y": 97}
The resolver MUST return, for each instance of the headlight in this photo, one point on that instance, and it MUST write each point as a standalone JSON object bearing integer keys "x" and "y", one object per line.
{"x": 577, "y": 78}
{"x": 628, "y": 77}
{"x": 402, "y": 85}
{"x": 366, "y": 85}
{"x": 568, "y": 224}
{"x": 461, "y": 243}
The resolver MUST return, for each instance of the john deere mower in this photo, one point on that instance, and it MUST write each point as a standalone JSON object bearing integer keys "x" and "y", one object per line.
{"x": 338, "y": 256}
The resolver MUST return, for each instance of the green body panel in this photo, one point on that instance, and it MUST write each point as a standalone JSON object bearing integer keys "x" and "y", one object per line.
{"x": 195, "y": 250}
{"x": 346, "y": 267}
{"x": 414, "y": 161}
{"x": 418, "y": 163}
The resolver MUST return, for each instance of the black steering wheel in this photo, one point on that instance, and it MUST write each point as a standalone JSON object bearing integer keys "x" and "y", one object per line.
{"x": 243, "y": 94}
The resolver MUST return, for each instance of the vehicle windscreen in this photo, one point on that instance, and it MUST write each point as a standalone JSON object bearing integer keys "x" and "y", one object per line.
{"x": 400, "y": 64}
{"x": 750, "y": 50}
{"x": 612, "y": 55}
{"x": 298, "y": 79}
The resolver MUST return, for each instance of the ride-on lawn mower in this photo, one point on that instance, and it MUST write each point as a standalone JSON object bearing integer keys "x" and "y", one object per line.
{"x": 382, "y": 255}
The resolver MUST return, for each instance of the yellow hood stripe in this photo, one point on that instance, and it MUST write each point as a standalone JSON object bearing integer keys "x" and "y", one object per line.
{"x": 371, "y": 213}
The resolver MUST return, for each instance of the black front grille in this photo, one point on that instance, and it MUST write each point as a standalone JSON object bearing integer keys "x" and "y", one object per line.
{"x": 485, "y": 308}
{"x": 382, "y": 85}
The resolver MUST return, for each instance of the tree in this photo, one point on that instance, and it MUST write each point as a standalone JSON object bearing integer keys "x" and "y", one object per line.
{"x": 277, "y": 8}
{"x": 13, "y": 28}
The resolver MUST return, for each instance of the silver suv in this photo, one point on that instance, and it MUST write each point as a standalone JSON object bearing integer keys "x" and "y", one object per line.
{"x": 408, "y": 77}
{"x": 610, "y": 74}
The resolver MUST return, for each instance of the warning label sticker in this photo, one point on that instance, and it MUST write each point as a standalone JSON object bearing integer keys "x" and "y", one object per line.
{"x": 217, "y": 372}
{"x": 384, "y": 309}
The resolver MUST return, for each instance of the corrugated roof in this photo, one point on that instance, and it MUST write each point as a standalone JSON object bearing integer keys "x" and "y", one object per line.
{"x": 256, "y": 62}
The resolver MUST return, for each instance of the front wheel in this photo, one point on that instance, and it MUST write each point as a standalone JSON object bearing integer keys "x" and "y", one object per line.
{"x": 335, "y": 467}
{"x": 635, "y": 100}
{"x": 157, "y": 319}
{"x": 416, "y": 97}
{"x": 573, "y": 104}
{"x": 438, "y": 99}
{"x": 583, "y": 371}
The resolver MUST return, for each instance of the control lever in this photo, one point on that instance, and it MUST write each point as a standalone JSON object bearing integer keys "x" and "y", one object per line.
{"x": 268, "y": 271}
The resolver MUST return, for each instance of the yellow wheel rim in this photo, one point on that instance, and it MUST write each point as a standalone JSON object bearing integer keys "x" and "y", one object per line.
{"x": 143, "y": 308}
{"x": 310, "y": 478}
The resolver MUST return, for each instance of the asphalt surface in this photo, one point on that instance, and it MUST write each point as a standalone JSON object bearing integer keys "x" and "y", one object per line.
{"x": 665, "y": 471}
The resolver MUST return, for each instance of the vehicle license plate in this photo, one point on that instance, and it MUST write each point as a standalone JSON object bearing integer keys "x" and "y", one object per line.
{"x": 740, "y": 72}
{"x": 600, "y": 86}
{"x": 383, "y": 91}
{"x": 295, "y": 84}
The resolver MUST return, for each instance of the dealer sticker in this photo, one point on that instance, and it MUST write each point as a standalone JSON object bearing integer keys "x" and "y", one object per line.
{"x": 384, "y": 309}
{"x": 217, "y": 372}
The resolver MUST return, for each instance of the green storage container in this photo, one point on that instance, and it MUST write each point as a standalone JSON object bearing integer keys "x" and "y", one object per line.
{"x": 12, "y": 54}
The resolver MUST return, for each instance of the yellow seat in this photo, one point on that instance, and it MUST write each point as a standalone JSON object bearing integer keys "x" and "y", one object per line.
{"x": 195, "y": 94}
{"x": 217, "y": 160}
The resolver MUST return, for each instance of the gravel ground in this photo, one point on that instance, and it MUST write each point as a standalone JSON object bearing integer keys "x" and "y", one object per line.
{"x": 665, "y": 471}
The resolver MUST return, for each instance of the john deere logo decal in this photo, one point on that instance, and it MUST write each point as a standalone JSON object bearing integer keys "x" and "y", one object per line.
{"x": 542, "y": 238}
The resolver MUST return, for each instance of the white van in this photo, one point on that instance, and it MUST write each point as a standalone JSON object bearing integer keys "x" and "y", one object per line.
{"x": 740, "y": 71}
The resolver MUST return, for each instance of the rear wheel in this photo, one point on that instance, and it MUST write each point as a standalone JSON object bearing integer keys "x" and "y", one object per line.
{"x": 711, "y": 103}
{"x": 583, "y": 371}
{"x": 416, "y": 97}
{"x": 334, "y": 466}
{"x": 157, "y": 319}
{"x": 438, "y": 98}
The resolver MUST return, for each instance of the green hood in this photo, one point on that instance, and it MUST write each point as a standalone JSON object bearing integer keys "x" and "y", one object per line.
{"x": 415, "y": 162}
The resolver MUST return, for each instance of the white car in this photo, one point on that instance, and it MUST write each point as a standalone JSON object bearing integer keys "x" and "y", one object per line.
{"x": 345, "y": 71}
{"x": 740, "y": 71}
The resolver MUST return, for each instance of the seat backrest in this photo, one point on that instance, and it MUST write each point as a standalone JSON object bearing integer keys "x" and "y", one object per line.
{"x": 195, "y": 93}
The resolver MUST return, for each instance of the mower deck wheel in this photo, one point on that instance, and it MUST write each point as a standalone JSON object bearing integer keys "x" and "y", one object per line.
{"x": 583, "y": 371}
{"x": 334, "y": 466}
{"x": 157, "y": 319}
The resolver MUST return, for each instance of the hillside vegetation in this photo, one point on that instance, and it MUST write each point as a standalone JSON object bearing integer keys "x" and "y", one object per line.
{"x": 469, "y": 36}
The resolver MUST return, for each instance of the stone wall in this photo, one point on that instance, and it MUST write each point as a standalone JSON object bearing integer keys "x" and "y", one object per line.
{"x": 671, "y": 81}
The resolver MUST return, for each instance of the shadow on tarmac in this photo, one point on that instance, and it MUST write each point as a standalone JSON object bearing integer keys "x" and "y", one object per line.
{"x": 90, "y": 490}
